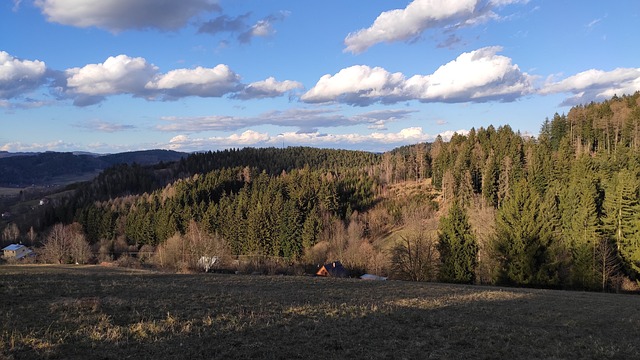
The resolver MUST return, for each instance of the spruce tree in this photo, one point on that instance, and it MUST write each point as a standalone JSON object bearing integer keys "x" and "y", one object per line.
{"x": 457, "y": 246}
{"x": 522, "y": 238}
{"x": 622, "y": 220}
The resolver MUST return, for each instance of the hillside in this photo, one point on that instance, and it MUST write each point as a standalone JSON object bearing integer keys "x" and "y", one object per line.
{"x": 492, "y": 207}
{"x": 19, "y": 170}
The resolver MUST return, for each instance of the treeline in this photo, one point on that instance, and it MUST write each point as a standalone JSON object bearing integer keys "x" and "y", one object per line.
{"x": 491, "y": 206}
{"x": 567, "y": 210}
{"x": 134, "y": 179}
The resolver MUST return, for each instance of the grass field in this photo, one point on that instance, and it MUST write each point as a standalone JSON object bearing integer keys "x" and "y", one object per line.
{"x": 73, "y": 312}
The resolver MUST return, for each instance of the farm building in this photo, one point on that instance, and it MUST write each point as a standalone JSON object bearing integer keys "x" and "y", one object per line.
{"x": 16, "y": 251}
{"x": 334, "y": 269}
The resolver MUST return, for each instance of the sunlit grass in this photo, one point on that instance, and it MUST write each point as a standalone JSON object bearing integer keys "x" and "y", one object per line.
{"x": 93, "y": 312}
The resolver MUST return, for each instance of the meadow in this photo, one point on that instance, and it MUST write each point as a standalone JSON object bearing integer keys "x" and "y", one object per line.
{"x": 79, "y": 312}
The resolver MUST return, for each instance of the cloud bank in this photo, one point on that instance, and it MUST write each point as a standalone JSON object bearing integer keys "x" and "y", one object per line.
{"x": 122, "y": 74}
{"x": 482, "y": 75}
{"x": 595, "y": 85}
{"x": 306, "y": 120}
{"x": 369, "y": 142}
{"x": 476, "y": 76}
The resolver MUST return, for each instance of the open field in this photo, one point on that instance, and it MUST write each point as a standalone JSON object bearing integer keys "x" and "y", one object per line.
{"x": 79, "y": 312}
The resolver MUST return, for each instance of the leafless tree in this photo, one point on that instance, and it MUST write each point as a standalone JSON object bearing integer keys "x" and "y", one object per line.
{"x": 415, "y": 257}
{"x": 11, "y": 233}
{"x": 607, "y": 262}
{"x": 66, "y": 244}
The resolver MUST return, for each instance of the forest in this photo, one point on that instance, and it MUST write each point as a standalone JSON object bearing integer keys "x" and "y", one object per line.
{"x": 558, "y": 210}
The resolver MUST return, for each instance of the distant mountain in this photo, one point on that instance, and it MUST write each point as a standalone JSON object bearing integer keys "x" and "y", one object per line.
{"x": 23, "y": 169}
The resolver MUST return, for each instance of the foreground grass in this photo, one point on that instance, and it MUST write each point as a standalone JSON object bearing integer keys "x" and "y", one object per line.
{"x": 101, "y": 313}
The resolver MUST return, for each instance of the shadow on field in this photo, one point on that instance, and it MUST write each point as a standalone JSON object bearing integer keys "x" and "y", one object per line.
{"x": 81, "y": 313}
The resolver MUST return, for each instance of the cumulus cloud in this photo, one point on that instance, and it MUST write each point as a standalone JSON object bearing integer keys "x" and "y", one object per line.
{"x": 268, "y": 88}
{"x": 306, "y": 120}
{"x": 120, "y": 15}
{"x": 204, "y": 82}
{"x": 476, "y": 76}
{"x": 122, "y": 74}
{"x": 117, "y": 75}
{"x": 372, "y": 142}
{"x": 357, "y": 85}
{"x": 421, "y": 15}
{"x": 18, "y": 77}
{"x": 595, "y": 85}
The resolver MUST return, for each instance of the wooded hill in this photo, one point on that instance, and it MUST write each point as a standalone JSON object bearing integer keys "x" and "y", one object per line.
{"x": 43, "y": 168}
{"x": 558, "y": 210}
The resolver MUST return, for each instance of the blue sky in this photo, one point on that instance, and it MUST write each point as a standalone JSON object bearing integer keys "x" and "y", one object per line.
{"x": 118, "y": 75}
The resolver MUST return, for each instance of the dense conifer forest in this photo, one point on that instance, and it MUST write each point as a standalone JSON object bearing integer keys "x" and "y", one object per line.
{"x": 492, "y": 206}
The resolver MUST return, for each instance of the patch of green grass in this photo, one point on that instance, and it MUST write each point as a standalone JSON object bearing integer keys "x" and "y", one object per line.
{"x": 78, "y": 312}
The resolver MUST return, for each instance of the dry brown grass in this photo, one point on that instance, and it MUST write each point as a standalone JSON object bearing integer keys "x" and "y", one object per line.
{"x": 78, "y": 312}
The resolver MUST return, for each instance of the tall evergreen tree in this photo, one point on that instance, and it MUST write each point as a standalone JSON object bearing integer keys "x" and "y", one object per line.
{"x": 457, "y": 246}
{"x": 622, "y": 216}
{"x": 522, "y": 240}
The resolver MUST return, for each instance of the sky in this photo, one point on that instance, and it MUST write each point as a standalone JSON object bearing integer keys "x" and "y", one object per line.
{"x": 108, "y": 76}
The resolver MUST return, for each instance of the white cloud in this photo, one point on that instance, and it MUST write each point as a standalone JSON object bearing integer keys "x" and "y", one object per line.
{"x": 117, "y": 75}
{"x": 306, "y": 120}
{"x": 421, "y": 15}
{"x": 58, "y": 145}
{"x": 267, "y": 89}
{"x": 595, "y": 85}
{"x": 18, "y": 77}
{"x": 204, "y": 82}
{"x": 247, "y": 138}
{"x": 476, "y": 76}
{"x": 371, "y": 142}
{"x": 357, "y": 85}
{"x": 119, "y": 15}
{"x": 104, "y": 126}
{"x": 122, "y": 74}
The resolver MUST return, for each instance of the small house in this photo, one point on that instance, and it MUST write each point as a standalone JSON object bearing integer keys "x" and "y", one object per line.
{"x": 16, "y": 251}
{"x": 333, "y": 269}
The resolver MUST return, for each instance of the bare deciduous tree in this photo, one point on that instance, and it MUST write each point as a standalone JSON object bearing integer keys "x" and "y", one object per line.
{"x": 11, "y": 233}
{"x": 182, "y": 252}
{"x": 415, "y": 257}
{"x": 607, "y": 262}
{"x": 66, "y": 244}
